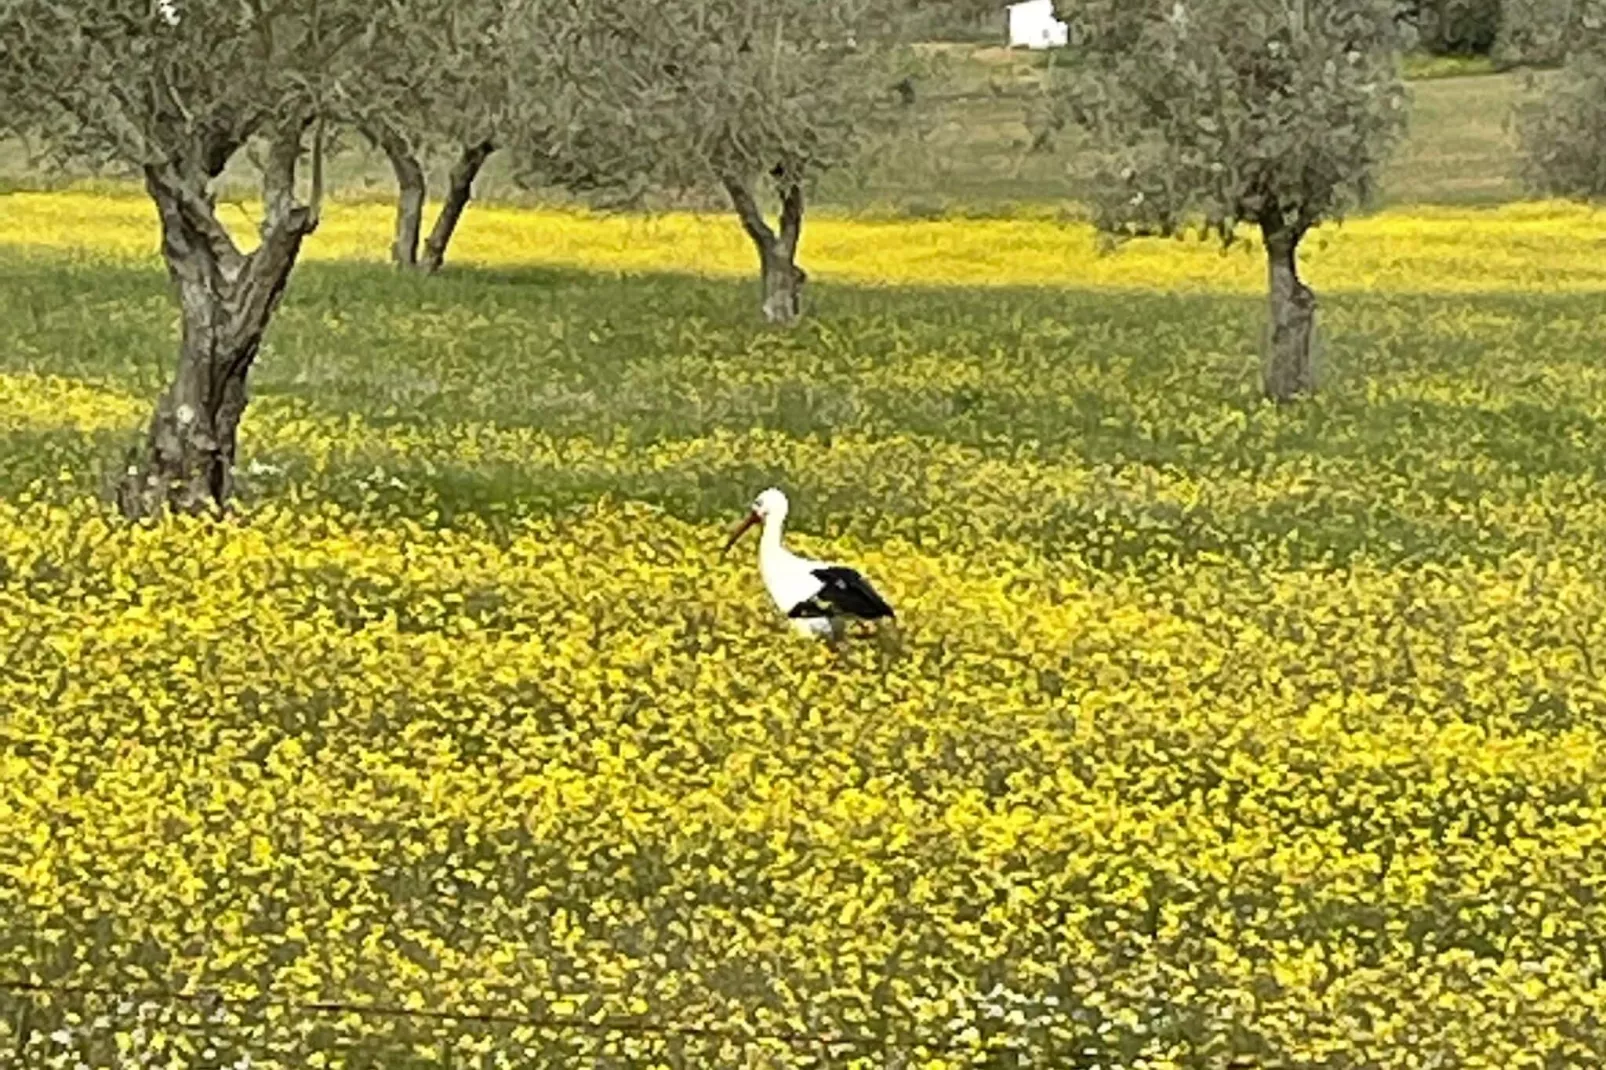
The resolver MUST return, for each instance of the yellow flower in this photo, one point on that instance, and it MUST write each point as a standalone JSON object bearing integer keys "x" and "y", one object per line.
{"x": 1157, "y": 767}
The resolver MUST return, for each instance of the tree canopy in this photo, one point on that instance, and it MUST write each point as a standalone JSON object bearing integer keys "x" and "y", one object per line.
{"x": 144, "y": 84}
{"x": 685, "y": 97}
{"x": 1233, "y": 111}
{"x": 1562, "y": 126}
{"x": 1534, "y": 32}
{"x": 1455, "y": 27}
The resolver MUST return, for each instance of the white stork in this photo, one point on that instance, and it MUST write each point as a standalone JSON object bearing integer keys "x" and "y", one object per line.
{"x": 816, "y": 596}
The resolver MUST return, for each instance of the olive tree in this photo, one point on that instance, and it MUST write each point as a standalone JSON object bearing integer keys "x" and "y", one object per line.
{"x": 1561, "y": 126}
{"x": 1534, "y": 32}
{"x": 437, "y": 84}
{"x": 1455, "y": 27}
{"x": 1218, "y": 113}
{"x": 753, "y": 99}
{"x": 175, "y": 89}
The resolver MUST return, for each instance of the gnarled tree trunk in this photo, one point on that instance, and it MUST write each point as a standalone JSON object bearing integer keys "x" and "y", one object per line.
{"x": 777, "y": 252}
{"x": 226, "y": 299}
{"x": 411, "y": 189}
{"x": 1290, "y": 363}
{"x": 783, "y": 287}
{"x": 459, "y": 188}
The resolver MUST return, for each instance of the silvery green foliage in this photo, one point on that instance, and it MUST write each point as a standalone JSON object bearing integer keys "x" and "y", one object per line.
{"x": 1562, "y": 125}
{"x": 1456, "y": 27}
{"x": 147, "y": 82}
{"x": 438, "y": 71}
{"x": 630, "y": 97}
{"x": 1534, "y": 32}
{"x": 1220, "y": 112}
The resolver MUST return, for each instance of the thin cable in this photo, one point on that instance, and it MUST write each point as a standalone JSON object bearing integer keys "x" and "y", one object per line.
{"x": 636, "y": 1027}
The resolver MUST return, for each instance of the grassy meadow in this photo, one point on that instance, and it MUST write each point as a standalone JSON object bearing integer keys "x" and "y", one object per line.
{"x": 1210, "y": 729}
{"x": 1211, "y": 733}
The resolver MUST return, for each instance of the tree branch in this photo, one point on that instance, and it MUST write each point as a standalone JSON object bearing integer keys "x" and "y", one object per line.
{"x": 385, "y": 136}
{"x": 315, "y": 200}
{"x": 459, "y": 188}
{"x": 748, "y": 212}
{"x": 791, "y": 218}
{"x": 285, "y": 223}
{"x": 190, "y": 208}
{"x": 280, "y": 208}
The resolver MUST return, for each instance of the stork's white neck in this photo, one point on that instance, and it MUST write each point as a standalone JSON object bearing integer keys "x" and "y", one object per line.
{"x": 774, "y": 521}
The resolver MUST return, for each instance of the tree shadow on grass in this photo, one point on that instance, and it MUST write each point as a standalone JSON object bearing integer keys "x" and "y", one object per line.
{"x": 525, "y": 277}
{"x": 1091, "y": 380}
{"x": 1113, "y": 532}
{"x": 1522, "y": 438}
{"x": 61, "y": 461}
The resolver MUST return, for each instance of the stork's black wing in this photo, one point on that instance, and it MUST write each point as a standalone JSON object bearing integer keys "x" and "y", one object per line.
{"x": 845, "y": 591}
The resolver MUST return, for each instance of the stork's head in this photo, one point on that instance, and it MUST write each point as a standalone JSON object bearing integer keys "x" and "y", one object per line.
{"x": 769, "y": 503}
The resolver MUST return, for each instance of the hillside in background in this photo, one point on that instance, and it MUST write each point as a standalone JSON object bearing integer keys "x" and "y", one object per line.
{"x": 968, "y": 147}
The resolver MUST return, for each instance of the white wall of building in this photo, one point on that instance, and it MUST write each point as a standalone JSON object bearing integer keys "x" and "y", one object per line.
{"x": 1032, "y": 25}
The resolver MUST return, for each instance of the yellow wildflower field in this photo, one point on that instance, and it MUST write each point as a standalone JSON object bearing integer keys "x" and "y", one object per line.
{"x": 1549, "y": 246}
{"x": 1209, "y": 734}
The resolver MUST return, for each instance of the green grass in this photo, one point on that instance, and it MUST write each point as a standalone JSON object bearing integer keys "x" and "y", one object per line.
{"x": 1126, "y": 385}
{"x": 1459, "y": 149}
{"x": 1421, "y": 66}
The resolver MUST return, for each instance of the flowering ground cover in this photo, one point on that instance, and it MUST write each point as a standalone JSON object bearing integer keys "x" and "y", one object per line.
{"x": 1210, "y": 730}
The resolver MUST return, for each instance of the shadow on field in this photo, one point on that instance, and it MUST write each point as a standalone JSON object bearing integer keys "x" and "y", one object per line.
{"x": 884, "y": 404}
{"x": 71, "y": 461}
{"x": 518, "y": 277}
{"x": 1523, "y": 438}
{"x": 1106, "y": 528}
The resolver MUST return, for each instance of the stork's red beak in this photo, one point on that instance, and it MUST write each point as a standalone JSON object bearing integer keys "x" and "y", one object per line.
{"x": 747, "y": 522}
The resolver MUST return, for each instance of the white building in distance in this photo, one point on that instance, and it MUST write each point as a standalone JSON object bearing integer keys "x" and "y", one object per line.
{"x": 1032, "y": 24}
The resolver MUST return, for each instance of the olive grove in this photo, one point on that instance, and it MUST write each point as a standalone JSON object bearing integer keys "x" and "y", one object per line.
{"x": 438, "y": 83}
{"x": 174, "y": 90}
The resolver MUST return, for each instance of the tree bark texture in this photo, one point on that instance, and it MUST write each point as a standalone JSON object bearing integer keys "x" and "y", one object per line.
{"x": 411, "y": 189}
{"x": 459, "y": 189}
{"x": 226, "y": 299}
{"x": 777, "y": 251}
{"x": 1290, "y": 368}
